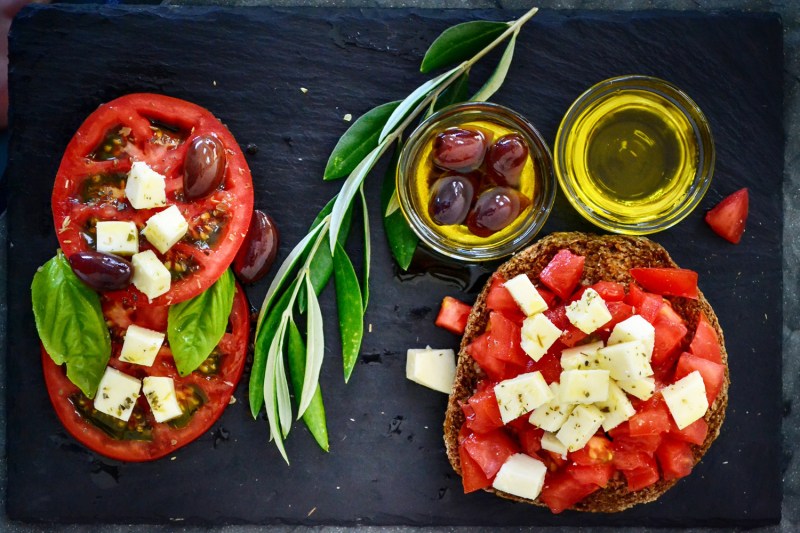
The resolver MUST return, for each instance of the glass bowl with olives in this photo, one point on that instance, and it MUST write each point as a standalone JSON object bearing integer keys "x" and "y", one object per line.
{"x": 475, "y": 181}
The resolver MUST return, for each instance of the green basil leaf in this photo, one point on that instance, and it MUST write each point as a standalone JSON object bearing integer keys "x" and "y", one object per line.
{"x": 402, "y": 239}
{"x": 461, "y": 42}
{"x": 454, "y": 94}
{"x": 351, "y": 310}
{"x": 358, "y": 141}
{"x": 314, "y": 417}
{"x": 497, "y": 78}
{"x": 70, "y": 323}
{"x": 196, "y": 326}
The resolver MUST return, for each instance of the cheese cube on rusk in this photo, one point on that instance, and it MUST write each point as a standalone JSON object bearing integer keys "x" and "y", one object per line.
{"x": 588, "y": 313}
{"x": 160, "y": 394}
{"x": 521, "y": 475}
{"x": 551, "y": 415}
{"x": 118, "y": 237}
{"x": 583, "y": 386}
{"x": 150, "y": 275}
{"x": 551, "y": 443}
{"x": 686, "y": 399}
{"x": 617, "y": 408}
{"x": 634, "y": 328}
{"x": 522, "y": 394}
{"x": 145, "y": 188}
{"x": 525, "y": 294}
{"x": 117, "y": 394}
{"x": 141, "y": 345}
{"x": 538, "y": 335}
{"x": 627, "y": 360}
{"x": 583, "y": 422}
{"x": 584, "y": 357}
{"x": 642, "y": 388}
{"x": 435, "y": 369}
{"x": 166, "y": 228}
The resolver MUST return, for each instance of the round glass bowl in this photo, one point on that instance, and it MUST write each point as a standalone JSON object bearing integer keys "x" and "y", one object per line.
{"x": 415, "y": 172}
{"x": 634, "y": 155}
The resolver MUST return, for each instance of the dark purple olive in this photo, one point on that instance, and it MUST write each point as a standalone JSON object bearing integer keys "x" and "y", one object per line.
{"x": 258, "y": 251}
{"x": 506, "y": 158}
{"x": 459, "y": 149}
{"x": 450, "y": 199}
{"x": 102, "y": 272}
{"x": 495, "y": 209}
{"x": 204, "y": 166}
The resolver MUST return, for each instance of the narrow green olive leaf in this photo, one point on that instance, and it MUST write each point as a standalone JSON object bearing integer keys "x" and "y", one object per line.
{"x": 402, "y": 239}
{"x": 461, "y": 42}
{"x": 270, "y": 388}
{"x": 367, "y": 250}
{"x": 351, "y": 309}
{"x": 315, "y": 350}
{"x": 497, "y": 78}
{"x": 314, "y": 417}
{"x": 454, "y": 94}
{"x": 282, "y": 394}
{"x": 70, "y": 323}
{"x": 358, "y": 141}
{"x": 195, "y": 326}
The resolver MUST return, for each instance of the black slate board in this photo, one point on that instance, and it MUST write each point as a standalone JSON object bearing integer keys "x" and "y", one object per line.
{"x": 387, "y": 463}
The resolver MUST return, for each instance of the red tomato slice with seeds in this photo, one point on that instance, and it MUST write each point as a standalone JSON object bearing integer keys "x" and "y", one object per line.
{"x": 157, "y": 130}
{"x": 728, "y": 218}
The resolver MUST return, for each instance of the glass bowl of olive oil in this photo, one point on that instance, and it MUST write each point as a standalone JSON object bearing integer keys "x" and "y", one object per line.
{"x": 634, "y": 155}
{"x": 475, "y": 181}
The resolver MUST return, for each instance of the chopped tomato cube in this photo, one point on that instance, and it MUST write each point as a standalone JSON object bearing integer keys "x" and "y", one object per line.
{"x": 561, "y": 491}
{"x": 652, "y": 418}
{"x": 562, "y": 273}
{"x": 597, "y": 451}
{"x": 675, "y": 457}
{"x": 549, "y": 365}
{"x": 628, "y": 459}
{"x": 667, "y": 281}
{"x": 643, "y": 476}
{"x": 479, "y": 350}
{"x": 619, "y": 312}
{"x": 713, "y": 373}
{"x": 598, "y": 474}
{"x": 500, "y": 300}
{"x": 453, "y": 315}
{"x": 490, "y": 450}
{"x": 610, "y": 291}
{"x": 694, "y": 433}
{"x": 670, "y": 331}
{"x": 547, "y": 296}
{"x": 485, "y": 414}
{"x": 472, "y": 475}
{"x": 530, "y": 439}
{"x": 705, "y": 343}
{"x": 727, "y": 219}
{"x": 503, "y": 340}
{"x": 645, "y": 304}
{"x": 571, "y": 335}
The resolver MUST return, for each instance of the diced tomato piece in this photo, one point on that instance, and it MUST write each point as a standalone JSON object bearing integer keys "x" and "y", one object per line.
{"x": 667, "y": 281}
{"x": 610, "y": 291}
{"x": 453, "y": 315}
{"x": 549, "y": 364}
{"x": 622, "y": 440}
{"x": 472, "y": 475}
{"x": 727, "y": 219}
{"x": 562, "y": 273}
{"x": 547, "y": 296}
{"x": 645, "y": 304}
{"x": 479, "y": 350}
{"x": 571, "y": 335}
{"x": 530, "y": 439}
{"x": 500, "y": 300}
{"x": 694, "y": 433}
{"x": 705, "y": 342}
{"x": 503, "y": 340}
{"x": 650, "y": 419}
{"x": 643, "y": 476}
{"x": 597, "y": 451}
{"x": 628, "y": 459}
{"x": 490, "y": 450}
{"x": 713, "y": 373}
{"x": 485, "y": 412}
{"x": 619, "y": 312}
{"x": 598, "y": 474}
{"x": 577, "y": 295}
{"x": 670, "y": 331}
{"x": 561, "y": 491}
{"x": 675, "y": 457}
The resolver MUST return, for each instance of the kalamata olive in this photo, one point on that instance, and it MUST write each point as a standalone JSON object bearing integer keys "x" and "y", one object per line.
{"x": 102, "y": 272}
{"x": 203, "y": 167}
{"x": 458, "y": 149}
{"x": 258, "y": 251}
{"x": 495, "y": 209}
{"x": 451, "y": 197}
{"x": 506, "y": 158}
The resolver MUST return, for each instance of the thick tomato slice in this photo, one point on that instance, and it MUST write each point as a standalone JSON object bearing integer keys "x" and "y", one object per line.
{"x": 562, "y": 273}
{"x": 203, "y": 394}
{"x": 727, "y": 219}
{"x": 705, "y": 342}
{"x": 155, "y": 129}
{"x": 453, "y": 315}
{"x": 667, "y": 281}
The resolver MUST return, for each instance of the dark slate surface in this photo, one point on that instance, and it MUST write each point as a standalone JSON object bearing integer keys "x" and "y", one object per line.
{"x": 387, "y": 464}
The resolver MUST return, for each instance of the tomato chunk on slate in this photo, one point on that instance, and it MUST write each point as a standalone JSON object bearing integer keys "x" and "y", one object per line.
{"x": 705, "y": 343}
{"x": 728, "y": 218}
{"x": 713, "y": 373}
{"x": 675, "y": 458}
{"x": 562, "y": 273}
{"x": 667, "y": 281}
{"x": 453, "y": 315}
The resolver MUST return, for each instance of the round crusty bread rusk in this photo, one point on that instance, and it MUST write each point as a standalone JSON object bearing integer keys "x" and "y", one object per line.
{"x": 609, "y": 258}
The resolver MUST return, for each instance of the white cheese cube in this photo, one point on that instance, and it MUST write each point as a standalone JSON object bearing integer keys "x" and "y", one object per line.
{"x": 117, "y": 237}
{"x": 525, "y": 294}
{"x": 117, "y": 394}
{"x": 583, "y": 422}
{"x": 583, "y": 386}
{"x": 521, "y": 475}
{"x": 435, "y": 369}
{"x": 642, "y": 388}
{"x": 145, "y": 188}
{"x": 160, "y": 394}
{"x": 150, "y": 275}
{"x": 686, "y": 399}
{"x": 584, "y": 357}
{"x": 551, "y": 443}
{"x": 166, "y": 228}
{"x": 588, "y": 313}
{"x": 617, "y": 408}
{"x": 521, "y": 395}
{"x": 627, "y": 360}
{"x": 634, "y": 328}
{"x": 141, "y": 345}
{"x": 538, "y": 335}
{"x": 552, "y": 415}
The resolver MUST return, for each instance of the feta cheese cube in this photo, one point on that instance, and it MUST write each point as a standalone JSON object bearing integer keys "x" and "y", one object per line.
{"x": 583, "y": 422}
{"x": 525, "y": 294}
{"x": 642, "y": 388}
{"x": 627, "y": 360}
{"x": 686, "y": 399}
{"x": 538, "y": 335}
{"x": 117, "y": 394}
{"x": 435, "y": 369}
{"x": 117, "y": 237}
{"x": 521, "y": 395}
{"x": 150, "y": 275}
{"x": 166, "y": 228}
{"x": 617, "y": 408}
{"x": 521, "y": 475}
{"x": 551, "y": 443}
{"x": 634, "y": 328}
{"x": 583, "y": 386}
{"x": 588, "y": 313}
{"x": 145, "y": 187}
{"x": 584, "y": 357}
{"x": 160, "y": 394}
{"x": 552, "y": 415}
{"x": 141, "y": 345}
